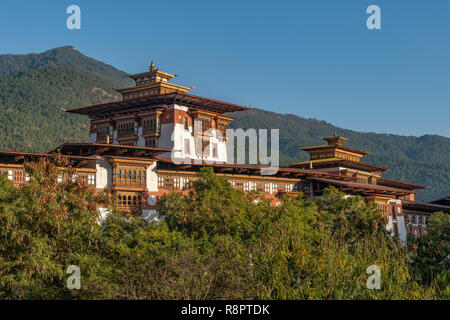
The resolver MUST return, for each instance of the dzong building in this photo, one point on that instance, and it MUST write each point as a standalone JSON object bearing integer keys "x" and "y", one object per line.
{"x": 133, "y": 143}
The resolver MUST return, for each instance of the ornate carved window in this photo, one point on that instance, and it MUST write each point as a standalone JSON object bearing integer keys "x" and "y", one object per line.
{"x": 130, "y": 202}
{"x": 202, "y": 123}
{"x": 222, "y": 128}
{"x": 129, "y": 174}
{"x": 151, "y": 125}
{"x": 206, "y": 124}
{"x": 125, "y": 129}
{"x": 16, "y": 174}
{"x": 175, "y": 180}
{"x": 103, "y": 134}
{"x": 151, "y": 142}
{"x": 302, "y": 187}
{"x": 239, "y": 185}
{"x": 131, "y": 143}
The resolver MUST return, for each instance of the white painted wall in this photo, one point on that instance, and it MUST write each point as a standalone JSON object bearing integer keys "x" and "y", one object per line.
{"x": 173, "y": 136}
{"x": 152, "y": 178}
{"x": 103, "y": 176}
{"x": 400, "y": 219}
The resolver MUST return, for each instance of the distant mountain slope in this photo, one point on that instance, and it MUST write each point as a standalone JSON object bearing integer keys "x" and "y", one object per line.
{"x": 66, "y": 57}
{"x": 31, "y": 118}
{"x": 34, "y": 87}
{"x": 423, "y": 160}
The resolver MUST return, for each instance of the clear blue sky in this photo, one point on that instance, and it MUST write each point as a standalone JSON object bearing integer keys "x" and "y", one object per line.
{"x": 312, "y": 58}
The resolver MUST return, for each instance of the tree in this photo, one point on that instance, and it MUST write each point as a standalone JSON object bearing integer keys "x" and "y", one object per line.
{"x": 431, "y": 253}
{"x": 300, "y": 250}
{"x": 216, "y": 243}
{"x": 45, "y": 226}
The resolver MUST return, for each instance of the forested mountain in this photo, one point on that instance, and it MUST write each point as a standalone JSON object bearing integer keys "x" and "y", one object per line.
{"x": 31, "y": 102}
{"x": 34, "y": 88}
{"x": 66, "y": 56}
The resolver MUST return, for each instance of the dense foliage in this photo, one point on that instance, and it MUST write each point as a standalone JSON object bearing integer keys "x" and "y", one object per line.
{"x": 31, "y": 103}
{"x": 44, "y": 227}
{"x": 34, "y": 88}
{"x": 217, "y": 242}
{"x": 431, "y": 253}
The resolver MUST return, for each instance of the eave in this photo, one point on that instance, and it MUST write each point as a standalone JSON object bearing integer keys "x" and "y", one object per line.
{"x": 367, "y": 189}
{"x": 145, "y": 103}
{"x": 337, "y": 162}
{"x": 100, "y": 149}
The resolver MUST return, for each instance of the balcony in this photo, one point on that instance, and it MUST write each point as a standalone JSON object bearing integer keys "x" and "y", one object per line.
{"x": 126, "y": 135}
{"x": 129, "y": 178}
{"x": 151, "y": 126}
{"x": 15, "y": 173}
{"x": 150, "y": 132}
{"x": 103, "y": 137}
{"x": 129, "y": 202}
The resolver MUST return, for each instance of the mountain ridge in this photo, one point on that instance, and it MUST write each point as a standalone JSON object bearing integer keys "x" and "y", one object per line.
{"x": 65, "y": 56}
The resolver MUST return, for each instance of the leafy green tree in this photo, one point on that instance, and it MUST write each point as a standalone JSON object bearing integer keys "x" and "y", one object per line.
{"x": 45, "y": 226}
{"x": 300, "y": 250}
{"x": 215, "y": 243}
{"x": 431, "y": 253}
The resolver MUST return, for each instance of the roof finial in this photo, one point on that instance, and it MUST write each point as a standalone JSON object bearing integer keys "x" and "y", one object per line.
{"x": 152, "y": 66}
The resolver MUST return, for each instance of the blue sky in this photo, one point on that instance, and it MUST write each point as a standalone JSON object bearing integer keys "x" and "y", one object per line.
{"x": 313, "y": 58}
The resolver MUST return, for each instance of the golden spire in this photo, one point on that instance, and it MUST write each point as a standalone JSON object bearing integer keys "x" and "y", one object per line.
{"x": 152, "y": 66}
{"x": 335, "y": 140}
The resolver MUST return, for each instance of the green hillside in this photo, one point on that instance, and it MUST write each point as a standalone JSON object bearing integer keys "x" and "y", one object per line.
{"x": 34, "y": 88}
{"x": 31, "y": 118}
{"x": 66, "y": 56}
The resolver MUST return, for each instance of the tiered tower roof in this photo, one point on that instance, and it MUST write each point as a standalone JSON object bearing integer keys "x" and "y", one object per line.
{"x": 152, "y": 92}
{"x": 335, "y": 154}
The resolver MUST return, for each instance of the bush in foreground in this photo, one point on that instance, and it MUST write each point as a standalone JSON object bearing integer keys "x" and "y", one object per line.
{"x": 215, "y": 243}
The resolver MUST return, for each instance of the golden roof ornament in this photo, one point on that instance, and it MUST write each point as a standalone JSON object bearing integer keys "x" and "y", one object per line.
{"x": 152, "y": 66}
